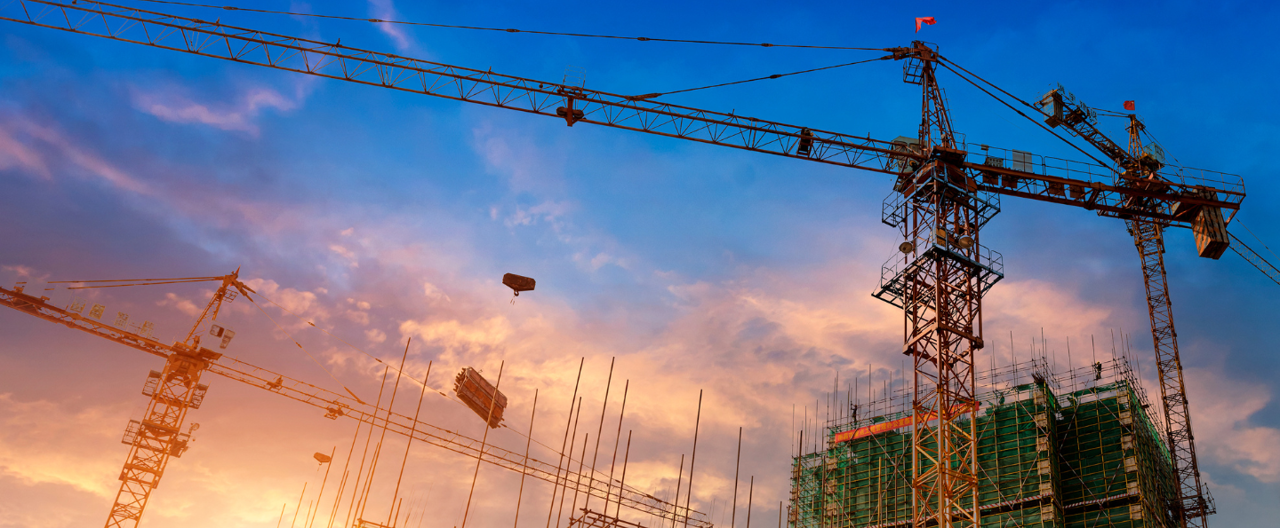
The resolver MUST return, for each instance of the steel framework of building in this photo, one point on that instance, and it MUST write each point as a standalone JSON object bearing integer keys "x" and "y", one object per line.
{"x": 1077, "y": 449}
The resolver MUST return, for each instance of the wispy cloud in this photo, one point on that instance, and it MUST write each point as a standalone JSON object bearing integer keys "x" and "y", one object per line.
{"x": 179, "y": 303}
{"x": 300, "y": 303}
{"x": 44, "y": 150}
{"x": 548, "y": 211}
{"x": 172, "y": 106}
{"x": 15, "y": 153}
{"x": 386, "y": 10}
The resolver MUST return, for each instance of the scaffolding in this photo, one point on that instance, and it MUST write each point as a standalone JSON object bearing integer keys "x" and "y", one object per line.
{"x": 1077, "y": 450}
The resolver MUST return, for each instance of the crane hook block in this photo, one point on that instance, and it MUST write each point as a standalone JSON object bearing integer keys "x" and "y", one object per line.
{"x": 518, "y": 283}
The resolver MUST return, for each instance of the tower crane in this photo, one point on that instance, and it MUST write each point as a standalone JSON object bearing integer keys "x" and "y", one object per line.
{"x": 177, "y": 389}
{"x": 1139, "y": 166}
{"x": 945, "y": 191}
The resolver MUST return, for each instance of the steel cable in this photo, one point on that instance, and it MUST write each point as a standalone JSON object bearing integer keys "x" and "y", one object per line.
{"x": 508, "y": 30}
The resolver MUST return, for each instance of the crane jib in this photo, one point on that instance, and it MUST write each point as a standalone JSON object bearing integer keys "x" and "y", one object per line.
{"x": 338, "y": 405}
{"x": 575, "y": 104}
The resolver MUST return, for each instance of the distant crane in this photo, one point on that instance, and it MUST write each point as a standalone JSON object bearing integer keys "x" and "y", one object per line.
{"x": 176, "y": 389}
{"x": 945, "y": 191}
{"x": 1139, "y": 166}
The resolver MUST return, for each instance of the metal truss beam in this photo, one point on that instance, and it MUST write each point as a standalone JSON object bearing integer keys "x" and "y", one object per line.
{"x": 337, "y": 405}
{"x": 1051, "y": 180}
{"x": 942, "y": 302}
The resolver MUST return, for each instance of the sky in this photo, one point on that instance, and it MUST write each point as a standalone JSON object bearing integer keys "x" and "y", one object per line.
{"x": 382, "y": 216}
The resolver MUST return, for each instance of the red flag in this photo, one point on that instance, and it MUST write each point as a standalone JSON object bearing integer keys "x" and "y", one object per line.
{"x": 1128, "y": 105}
{"x": 924, "y": 20}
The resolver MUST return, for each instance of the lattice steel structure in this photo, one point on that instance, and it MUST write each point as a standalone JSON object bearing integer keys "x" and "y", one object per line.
{"x": 939, "y": 286}
{"x": 159, "y": 436}
{"x": 1254, "y": 259}
{"x": 1077, "y": 450}
{"x": 1042, "y": 178}
{"x": 1194, "y": 503}
{"x": 334, "y": 405}
{"x": 1143, "y": 167}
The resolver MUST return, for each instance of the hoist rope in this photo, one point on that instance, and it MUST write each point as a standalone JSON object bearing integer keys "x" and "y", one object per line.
{"x": 295, "y": 341}
{"x": 774, "y": 76}
{"x": 948, "y": 65}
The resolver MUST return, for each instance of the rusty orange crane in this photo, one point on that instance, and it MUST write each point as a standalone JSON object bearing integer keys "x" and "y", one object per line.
{"x": 945, "y": 191}
{"x": 1141, "y": 164}
{"x": 177, "y": 389}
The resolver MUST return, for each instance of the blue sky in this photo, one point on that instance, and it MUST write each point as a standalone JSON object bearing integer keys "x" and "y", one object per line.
{"x": 386, "y": 215}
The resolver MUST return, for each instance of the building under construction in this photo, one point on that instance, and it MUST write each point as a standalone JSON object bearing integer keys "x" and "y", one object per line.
{"x": 1072, "y": 450}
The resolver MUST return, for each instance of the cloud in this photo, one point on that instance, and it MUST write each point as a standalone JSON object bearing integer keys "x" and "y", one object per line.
{"x": 457, "y": 336}
{"x": 44, "y": 150}
{"x": 358, "y": 317}
{"x": 1221, "y": 410}
{"x": 181, "y": 304}
{"x": 1028, "y": 304}
{"x": 345, "y": 253}
{"x": 599, "y": 260}
{"x": 15, "y": 154}
{"x": 171, "y": 106}
{"x": 19, "y": 270}
{"x": 525, "y": 163}
{"x": 386, "y": 10}
{"x": 302, "y": 303}
{"x": 39, "y": 444}
{"x": 431, "y": 291}
{"x": 548, "y": 211}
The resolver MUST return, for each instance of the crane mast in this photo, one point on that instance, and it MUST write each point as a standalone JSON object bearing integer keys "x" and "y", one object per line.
{"x": 1194, "y": 504}
{"x": 174, "y": 390}
{"x": 942, "y": 283}
{"x": 1139, "y": 167}
{"x": 158, "y": 436}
